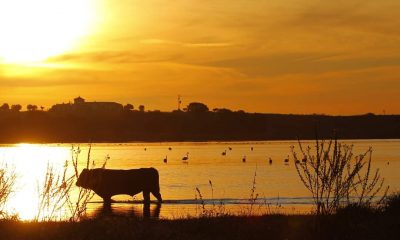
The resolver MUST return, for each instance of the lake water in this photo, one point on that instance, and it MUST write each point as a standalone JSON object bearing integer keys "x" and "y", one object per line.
{"x": 277, "y": 185}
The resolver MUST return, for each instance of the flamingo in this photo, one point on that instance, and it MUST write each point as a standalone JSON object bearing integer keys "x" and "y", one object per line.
{"x": 170, "y": 148}
{"x": 223, "y": 153}
{"x": 244, "y": 159}
{"x": 166, "y": 159}
{"x": 185, "y": 158}
{"x": 230, "y": 149}
{"x": 287, "y": 160}
{"x": 270, "y": 161}
{"x": 251, "y": 148}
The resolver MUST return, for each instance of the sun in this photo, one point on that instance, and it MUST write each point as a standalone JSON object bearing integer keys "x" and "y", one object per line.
{"x": 34, "y": 30}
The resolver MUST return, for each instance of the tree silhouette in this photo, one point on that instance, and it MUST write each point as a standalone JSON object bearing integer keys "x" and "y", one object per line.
{"x": 16, "y": 108}
{"x": 31, "y": 107}
{"x": 128, "y": 107}
{"x": 222, "y": 110}
{"x": 141, "y": 108}
{"x": 197, "y": 107}
{"x": 5, "y": 107}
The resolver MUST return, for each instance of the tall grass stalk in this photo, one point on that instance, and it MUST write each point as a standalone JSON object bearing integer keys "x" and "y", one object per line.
{"x": 215, "y": 210}
{"x": 59, "y": 198}
{"x": 253, "y": 195}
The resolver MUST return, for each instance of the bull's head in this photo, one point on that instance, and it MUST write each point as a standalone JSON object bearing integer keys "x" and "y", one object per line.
{"x": 83, "y": 179}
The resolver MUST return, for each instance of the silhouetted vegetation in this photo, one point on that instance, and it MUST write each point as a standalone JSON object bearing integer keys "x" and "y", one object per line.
{"x": 196, "y": 107}
{"x": 5, "y": 107}
{"x": 7, "y": 182}
{"x": 141, "y": 108}
{"x": 330, "y": 168}
{"x": 112, "y": 122}
{"x": 336, "y": 177}
{"x": 16, "y": 108}
{"x": 392, "y": 204}
{"x": 57, "y": 200}
{"x": 128, "y": 107}
{"x": 347, "y": 225}
{"x": 31, "y": 107}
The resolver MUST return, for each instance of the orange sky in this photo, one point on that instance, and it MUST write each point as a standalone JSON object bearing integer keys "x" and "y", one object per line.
{"x": 283, "y": 56}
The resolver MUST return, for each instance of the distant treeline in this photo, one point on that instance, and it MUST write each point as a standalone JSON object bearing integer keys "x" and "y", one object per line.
{"x": 194, "y": 124}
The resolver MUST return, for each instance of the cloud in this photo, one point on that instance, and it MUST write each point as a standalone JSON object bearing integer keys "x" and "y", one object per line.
{"x": 157, "y": 41}
{"x": 292, "y": 63}
{"x": 208, "y": 45}
{"x": 282, "y": 56}
{"x": 357, "y": 15}
{"x": 112, "y": 57}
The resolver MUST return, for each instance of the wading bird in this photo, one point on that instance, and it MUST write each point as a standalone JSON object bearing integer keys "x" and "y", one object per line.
{"x": 286, "y": 160}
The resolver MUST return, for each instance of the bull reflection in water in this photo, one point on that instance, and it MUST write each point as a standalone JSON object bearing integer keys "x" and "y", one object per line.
{"x": 107, "y": 183}
{"x": 127, "y": 210}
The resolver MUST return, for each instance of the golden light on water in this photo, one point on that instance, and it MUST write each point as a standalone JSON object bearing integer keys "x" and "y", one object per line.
{"x": 31, "y": 168}
{"x": 231, "y": 179}
{"x": 34, "y": 30}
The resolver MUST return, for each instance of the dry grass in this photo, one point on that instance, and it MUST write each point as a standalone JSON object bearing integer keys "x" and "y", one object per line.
{"x": 203, "y": 211}
{"x": 7, "y": 183}
{"x": 251, "y": 207}
{"x": 343, "y": 226}
{"x": 59, "y": 198}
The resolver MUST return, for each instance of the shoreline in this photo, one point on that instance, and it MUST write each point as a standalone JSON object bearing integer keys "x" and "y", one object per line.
{"x": 338, "y": 226}
{"x": 201, "y": 141}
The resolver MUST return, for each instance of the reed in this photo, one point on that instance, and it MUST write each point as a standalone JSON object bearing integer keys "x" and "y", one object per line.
{"x": 253, "y": 195}
{"x": 216, "y": 210}
{"x": 59, "y": 197}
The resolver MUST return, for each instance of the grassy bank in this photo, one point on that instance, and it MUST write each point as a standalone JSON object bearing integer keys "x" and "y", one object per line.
{"x": 354, "y": 224}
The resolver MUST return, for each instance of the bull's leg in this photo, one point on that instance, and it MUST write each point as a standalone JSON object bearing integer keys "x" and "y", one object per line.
{"x": 106, "y": 199}
{"x": 158, "y": 196}
{"x": 146, "y": 210}
{"x": 146, "y": 196}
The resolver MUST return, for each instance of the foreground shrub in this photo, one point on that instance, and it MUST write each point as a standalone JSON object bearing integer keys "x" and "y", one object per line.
{"x": 392, "y": 204}
{"x": 336, "y": 178}
{"x": 355, "y": 210}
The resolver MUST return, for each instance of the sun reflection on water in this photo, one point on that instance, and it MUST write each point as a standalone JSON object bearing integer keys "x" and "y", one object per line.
{"x": 30, "y": 162}
{"x": 231, "y": 179}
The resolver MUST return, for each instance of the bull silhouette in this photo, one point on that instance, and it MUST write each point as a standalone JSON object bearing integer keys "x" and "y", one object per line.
{"x": 109, "y": 182}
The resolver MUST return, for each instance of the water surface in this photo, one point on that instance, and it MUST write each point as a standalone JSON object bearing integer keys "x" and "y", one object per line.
{"x": 225, "y": 181}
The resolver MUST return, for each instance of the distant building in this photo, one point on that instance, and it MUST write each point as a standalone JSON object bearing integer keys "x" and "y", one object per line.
{"x": 80, "y": 105}
{"x": 79, "y": 100}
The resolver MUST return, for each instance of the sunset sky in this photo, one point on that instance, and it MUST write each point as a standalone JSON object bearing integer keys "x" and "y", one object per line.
{"x": 280, "y": 56}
